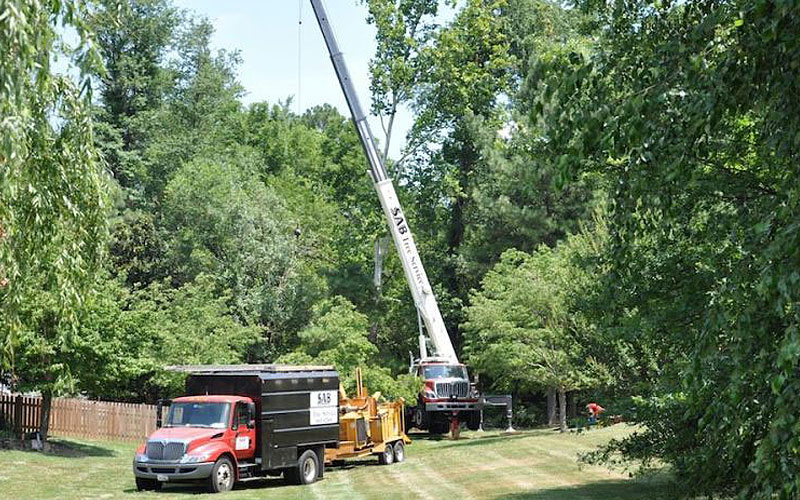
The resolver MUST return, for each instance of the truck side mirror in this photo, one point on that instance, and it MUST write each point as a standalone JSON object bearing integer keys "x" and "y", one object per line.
{"x": 251, "y": 415}
{"x": 160, "y": 404}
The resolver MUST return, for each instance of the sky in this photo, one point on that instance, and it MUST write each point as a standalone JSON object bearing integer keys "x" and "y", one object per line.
{"x": 281, "y": 61}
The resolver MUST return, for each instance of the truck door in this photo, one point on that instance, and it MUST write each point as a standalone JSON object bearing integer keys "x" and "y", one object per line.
{"x": 244, "y": 432}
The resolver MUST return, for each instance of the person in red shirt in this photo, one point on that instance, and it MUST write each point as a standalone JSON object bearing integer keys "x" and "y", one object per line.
{"x": 594, "y": 411}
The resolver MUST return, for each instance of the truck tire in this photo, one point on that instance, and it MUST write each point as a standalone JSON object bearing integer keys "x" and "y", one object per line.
{"x": 474, "y": 421}
{"x": 408, "y": 418}
{"x": 387, "y": 457}
{"x": 306, "y": 471}
{"x": 437, "y": 427}
{"x": 143, "y": 484}
{"x": 399, "y": 451}
{"x": 222, "y": 476}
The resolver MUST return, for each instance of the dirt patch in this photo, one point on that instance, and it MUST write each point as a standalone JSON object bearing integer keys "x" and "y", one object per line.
{"x": 7, "y": 443}
{"x": 53, "y": 447}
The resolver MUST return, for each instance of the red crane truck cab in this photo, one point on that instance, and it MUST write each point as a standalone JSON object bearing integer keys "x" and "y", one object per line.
{"x": 202, "y": 437}
{"x": 447, "y": 396}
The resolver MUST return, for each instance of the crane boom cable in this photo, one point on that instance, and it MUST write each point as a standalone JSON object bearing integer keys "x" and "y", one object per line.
{"x": 299, "y": 54}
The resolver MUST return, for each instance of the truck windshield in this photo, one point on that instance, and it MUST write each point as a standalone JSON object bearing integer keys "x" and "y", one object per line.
{"x": 190, "y": 414}
{"x": 445, "y": 371}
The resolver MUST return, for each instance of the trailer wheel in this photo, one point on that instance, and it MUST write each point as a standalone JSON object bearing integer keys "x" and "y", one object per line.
{"x": 143, "y": 484}
{"x": 387, "y": 457}
{"x": 399, "y": 451}
{"x": 306, "y": 470}
{"x": 222, "y": 476}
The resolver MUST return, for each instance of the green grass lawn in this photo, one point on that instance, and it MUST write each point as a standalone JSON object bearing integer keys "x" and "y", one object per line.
{"x": 538, "y": 464}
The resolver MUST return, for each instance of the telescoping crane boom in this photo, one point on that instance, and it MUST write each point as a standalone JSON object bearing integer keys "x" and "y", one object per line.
{"x": 418, "y": 282}
{"x": 448, "y": 398}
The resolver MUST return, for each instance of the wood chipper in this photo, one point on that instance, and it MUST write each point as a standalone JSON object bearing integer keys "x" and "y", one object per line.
{"x": 367, "y": 427}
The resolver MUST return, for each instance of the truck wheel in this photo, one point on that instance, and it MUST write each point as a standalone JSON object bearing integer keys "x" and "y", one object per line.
{"x": 143, "y": 484}
{"x": 307, "y": 469}
{"x": 474, "y": 421}
{"x": 399, "y": 451}
{"x": 222, "y": 476}
{"x": 387, "y": 457}
{"x": 438, "y": 427}
{"x": 417, "y": 420}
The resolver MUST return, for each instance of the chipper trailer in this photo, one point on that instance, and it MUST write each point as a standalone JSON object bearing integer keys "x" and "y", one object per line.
{"x": 448, "y": 398}
{"x": 245, "y": 422}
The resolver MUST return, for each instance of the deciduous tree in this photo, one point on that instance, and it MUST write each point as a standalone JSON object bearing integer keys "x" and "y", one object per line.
{"x": 52, "y": 183}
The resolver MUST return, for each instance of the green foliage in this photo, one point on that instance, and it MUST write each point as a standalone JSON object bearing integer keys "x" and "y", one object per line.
{"x": 404, "y": 28}
{"x": 338, "y": 335}
{"x": 125, "y": 339}
{"x": 523, "y": 327}
{"x": 108, "y": 328}
{"x": 516, "y": 200}
{"x": 133, "y": 39}
{"x": 137, "y": 250}
{"x": 190, "y": 325}
{"x": 52, "y": 185}
{"x": 234, "y": 228}
{"x": 687, "y": 109}
{"x": 469, "y": 66}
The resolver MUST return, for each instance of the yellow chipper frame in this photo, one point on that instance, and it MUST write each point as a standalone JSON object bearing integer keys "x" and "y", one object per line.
{"x": 367, "y": 427}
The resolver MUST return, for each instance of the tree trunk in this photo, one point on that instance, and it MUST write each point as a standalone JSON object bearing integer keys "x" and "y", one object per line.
{"x": 373, "y": 333}
{"x": 562, "y": 409}
{"x": 44, "y": 420}
{"x": 464, "y": 153}
{"x": 551, "y": 406}
{"x": 572, "y": 404}
{"x": 381, "y": 250}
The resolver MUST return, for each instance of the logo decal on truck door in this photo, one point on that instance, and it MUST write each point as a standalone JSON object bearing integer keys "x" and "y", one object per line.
{"x": 243, "y": 443}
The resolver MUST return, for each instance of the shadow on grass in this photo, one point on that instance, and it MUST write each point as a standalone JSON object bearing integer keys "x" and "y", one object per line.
{"x": 73, "y": 449}
{"x": 353, "y": 463}
{"x": 653, "y": 488}
{"x": 476, "y": 441}
{"x": 199, "y": 487}
{"x": 424, "y": 436}
{"x": 58, "y": 447}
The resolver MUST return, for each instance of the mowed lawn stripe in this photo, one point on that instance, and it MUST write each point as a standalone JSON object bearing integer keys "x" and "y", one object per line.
{"x": 437, "y": 478}
{"x": 338, "y": 484}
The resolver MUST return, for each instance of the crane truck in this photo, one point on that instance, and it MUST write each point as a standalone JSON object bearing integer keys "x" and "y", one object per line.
{"x": 448, "y": 398}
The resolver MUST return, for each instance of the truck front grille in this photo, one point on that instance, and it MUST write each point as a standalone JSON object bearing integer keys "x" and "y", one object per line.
{"x": 165, "y": 450}
{"x": 459, "y": 389}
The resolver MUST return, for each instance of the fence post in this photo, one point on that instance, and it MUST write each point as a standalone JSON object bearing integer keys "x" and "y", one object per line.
{"x": 18, "y": 416}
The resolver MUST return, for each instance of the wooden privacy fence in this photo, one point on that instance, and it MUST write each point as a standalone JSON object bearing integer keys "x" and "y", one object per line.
{"x": 78, "y": 417}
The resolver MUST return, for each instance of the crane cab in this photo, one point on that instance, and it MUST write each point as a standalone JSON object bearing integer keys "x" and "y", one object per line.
{"x": 447, "y": 397}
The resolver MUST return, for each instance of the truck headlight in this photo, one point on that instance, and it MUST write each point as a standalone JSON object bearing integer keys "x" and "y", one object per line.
{"x": 140, "y": 457}
{"x": 191, "y": 459}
